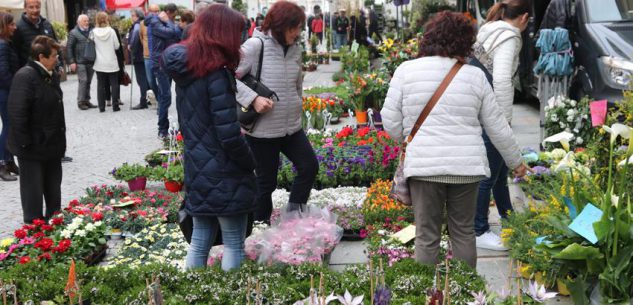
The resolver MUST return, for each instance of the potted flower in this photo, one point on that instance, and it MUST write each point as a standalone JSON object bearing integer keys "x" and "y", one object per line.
{"x": 358, "y": 92}
{"x": 352, "y": 221}
{"x": 134, "y": 174}
{"x": 174, "y": 177}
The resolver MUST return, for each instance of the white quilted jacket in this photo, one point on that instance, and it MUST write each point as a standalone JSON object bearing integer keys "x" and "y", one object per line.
{"x": 450, "y": 140}
{"x": 503, "y": 41}
{"x": 280, "y": 73}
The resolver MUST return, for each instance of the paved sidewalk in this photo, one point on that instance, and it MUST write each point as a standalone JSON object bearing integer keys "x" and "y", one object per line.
{"x": 97, "y": 142}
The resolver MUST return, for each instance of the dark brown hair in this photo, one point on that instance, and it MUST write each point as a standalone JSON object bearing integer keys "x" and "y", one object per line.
{"x": 508, "y": 9}
{"x": 281, "y": 17}
{"x": 187, "y": 16}
{"x": 447, "y": 34}
{"x": 5, "y": 20}
{"x": 43, "y": 45}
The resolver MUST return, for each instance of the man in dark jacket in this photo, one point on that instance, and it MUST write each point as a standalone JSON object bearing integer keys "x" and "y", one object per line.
{"x": 38, "y": 130}
{"x": 163, "y": 32}
{"x": 78, "y": 39}
{"x": 30, "y": 25}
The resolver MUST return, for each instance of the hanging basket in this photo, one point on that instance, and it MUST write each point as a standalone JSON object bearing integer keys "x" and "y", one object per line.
{"x": 173, "y": 186}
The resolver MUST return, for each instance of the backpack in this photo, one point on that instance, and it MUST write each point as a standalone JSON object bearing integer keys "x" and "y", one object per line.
{"x": 484, "y": 56}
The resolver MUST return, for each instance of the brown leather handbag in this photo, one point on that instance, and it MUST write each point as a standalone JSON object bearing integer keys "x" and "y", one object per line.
{"x": 400, "y": 186}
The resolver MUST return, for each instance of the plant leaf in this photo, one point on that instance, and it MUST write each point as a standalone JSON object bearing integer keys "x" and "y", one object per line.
{"x": 578, "y": 252}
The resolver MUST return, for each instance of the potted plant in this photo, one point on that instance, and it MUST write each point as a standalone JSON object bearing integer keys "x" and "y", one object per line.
{"x": 134, "y": 174}
{"x": 358, "y": 92}
{"x": 174, "y": 177}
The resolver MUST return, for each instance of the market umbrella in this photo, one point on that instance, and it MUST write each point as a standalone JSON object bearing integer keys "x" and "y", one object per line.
{"x": 117, "y": 4}
{"x": 11, "y": 4}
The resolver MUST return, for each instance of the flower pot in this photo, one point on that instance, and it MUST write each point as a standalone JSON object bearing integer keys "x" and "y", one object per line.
{"x": 352, "y": 235}
{"x": 562, "y": 287}
{"x": 137, "y": 184}
{"x": 173, "y": 186}
{"x": 361, "y": 116}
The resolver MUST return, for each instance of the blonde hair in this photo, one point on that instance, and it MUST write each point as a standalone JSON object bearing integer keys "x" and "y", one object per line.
{"x": 102, "y": 20}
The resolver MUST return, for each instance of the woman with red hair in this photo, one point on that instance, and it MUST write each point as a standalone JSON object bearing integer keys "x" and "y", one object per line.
{"x": 278, "y": 130}
{"x": 219, "y": 178}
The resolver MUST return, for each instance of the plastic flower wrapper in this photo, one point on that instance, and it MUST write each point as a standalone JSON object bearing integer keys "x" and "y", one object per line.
{"x": 297, "y": 238}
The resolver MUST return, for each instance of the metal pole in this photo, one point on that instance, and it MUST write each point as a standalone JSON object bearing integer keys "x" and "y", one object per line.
{"x": 131, "y": 85}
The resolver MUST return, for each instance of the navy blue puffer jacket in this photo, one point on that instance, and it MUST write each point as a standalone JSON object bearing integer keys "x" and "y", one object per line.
{"x": 219, "y": 165}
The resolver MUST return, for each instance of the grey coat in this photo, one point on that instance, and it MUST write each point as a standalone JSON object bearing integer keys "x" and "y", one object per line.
{"x": 76, "y": 44}
{"x": 282, "y": 74}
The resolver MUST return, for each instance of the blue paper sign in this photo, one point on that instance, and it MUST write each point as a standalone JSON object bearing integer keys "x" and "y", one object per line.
{"x": 571, "y": 207}
{"x": 583, "y": 224}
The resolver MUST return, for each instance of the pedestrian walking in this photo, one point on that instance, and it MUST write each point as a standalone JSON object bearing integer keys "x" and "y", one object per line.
{"x": 8, "y": 67}
{"x": 138, "y": 60}
{"x": 38, "y": 130}
{"x": 342, "y": 29}
{"x": 78, "y": 40}
{"x": 317, "y": 27}
{"x": 445, "y": 159}
{"x": 153, "y": 9}
{"x": 501, "y": 40}
{"x": 221, "y": 194}
{"x": 163, "y": 32}
{"x": 278, "y": 130}
{"x": 106, "y": 63}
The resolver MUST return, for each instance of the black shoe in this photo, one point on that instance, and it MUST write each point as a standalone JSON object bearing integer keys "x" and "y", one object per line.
{"x": 5, "y": 175}
{"x": 82, "y": 105}
{"x": 91, "y": 105}
{"x": 13, "y": 168}
{"x": 137, "y": 107}
{"x": 101, "y": 110}
{"x": 116, "y": 108}
{"x": 67, "y": 159}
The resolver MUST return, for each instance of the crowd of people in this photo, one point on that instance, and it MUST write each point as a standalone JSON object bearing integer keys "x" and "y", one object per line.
{"x": 464, "y": 149}
{"x": 346, "y": 30}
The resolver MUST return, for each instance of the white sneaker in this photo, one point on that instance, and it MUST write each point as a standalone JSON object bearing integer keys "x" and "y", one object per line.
{"x": 490, "y": 241}
{"x": 152, "y": 98}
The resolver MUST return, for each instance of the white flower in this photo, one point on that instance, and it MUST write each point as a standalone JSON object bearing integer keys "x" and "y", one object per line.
{"x": 571, "y": 112}
{"x": 615, "y": 200}
{"x": 626, "y": 161}
{"x": 67, "y": 234}
{"x": 98, "y": 223}
{"x": 554, "y": 118}
{"x": 538, "y": 292}
{"x": 557, "y": 154}
{"x": 579, "y": 141}
{"x": 562, "y": 137}
{"x": 570, "y": 119}
{"x": 480, "y": 298}
{"x": 562, "y": 125}
{"x": 90, "y": 227}
{"x": 546, "y": 108}
{"x": 618, "y": 130}
{"x": 349, "y": 300}
{"x": 80, "y": 233}
{"x": 566, "y": 163}
{"x": 572, "y": 103}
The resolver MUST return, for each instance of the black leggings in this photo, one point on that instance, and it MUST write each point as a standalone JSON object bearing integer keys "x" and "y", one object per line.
{"x": 298, "y": 149}
{"x": 110, "y": 81}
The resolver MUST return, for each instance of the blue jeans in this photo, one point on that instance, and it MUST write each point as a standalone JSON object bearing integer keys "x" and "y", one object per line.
{"x": 163, "y": 95}
{"x": 151, "y": 80}
{"x": 141, "y": 80}
{"x": 205, "y": 230}
{"x": 5, "y": 155}
{"x": 340, "y": 40}
{"x": 498, "y": 183}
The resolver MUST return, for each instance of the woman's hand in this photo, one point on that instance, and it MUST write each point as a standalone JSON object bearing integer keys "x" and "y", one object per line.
{"x": 521, "y": 170}
{"x": 262, "y": 104}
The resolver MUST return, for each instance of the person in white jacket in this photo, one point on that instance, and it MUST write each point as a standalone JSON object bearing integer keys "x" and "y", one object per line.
{"x": 500, "y": 38}
{"x": 106, "y": 64}
{"x": 446, "y": 159}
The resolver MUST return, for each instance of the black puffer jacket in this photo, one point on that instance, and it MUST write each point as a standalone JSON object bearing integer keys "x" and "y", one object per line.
{"x": 36, "y": 115}
{"x": 26, "y": 32}
{"x": 556, "y": 15}
{"x": 8, "y": 64}
{"x": 219, "y": 165}
{"x": 77, "y": 41}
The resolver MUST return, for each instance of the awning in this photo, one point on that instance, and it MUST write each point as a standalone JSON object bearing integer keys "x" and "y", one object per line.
{"x": 12, "y": 4}
{"x": 117, "y": 4}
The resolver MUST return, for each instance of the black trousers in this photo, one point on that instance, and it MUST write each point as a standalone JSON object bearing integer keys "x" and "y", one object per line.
{"x": 299, "y": 151}
{"x": 108, "y": 80}
{"x": 141, "y": 80}
{"x": 40, "y": 179}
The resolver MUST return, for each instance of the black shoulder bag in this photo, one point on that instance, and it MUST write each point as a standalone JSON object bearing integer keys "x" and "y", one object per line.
{"x": 248, "y": 116}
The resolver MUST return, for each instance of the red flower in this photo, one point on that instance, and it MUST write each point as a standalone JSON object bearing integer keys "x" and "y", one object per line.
{"x": 362, "y": 233}
{"x": 24, "y": 260}
{"x": 73, "y": 203}
{"x": 401, "y": 218}
{"x": 28, "y": 227}
{"x": 58, "y": 221}
{"x": 179, "y": 137}
{"x": 363, "y": 131}
{"x": 362, "y": 142}
{"x": 64, "y": 245}
{"x": 38, "y": 222}
{"x": 39, "y": 235}
{"x": 20, "y": 233}
{"x": 97, "y": 216}
{"x": 44, "y": 256}
{"x": 341, "y": 144}
{"x": 387, "y": 220}
{"x": 142, "y": 213}
{"x": 44, "y": 244}
{"x": 124, "y": 194}
{"x": 345, "y": 132}
{"x": 47, "y": 228}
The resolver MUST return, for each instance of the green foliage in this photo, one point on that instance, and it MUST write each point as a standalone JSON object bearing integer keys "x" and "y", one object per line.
{"x": 422, "y": 10}
{"x": 239, "y": 6}
{"x": 60, "y": 30}
{"x": 175, "y": 172}
{"x": 355, "y": 62}
{"x": 127, "y": 172}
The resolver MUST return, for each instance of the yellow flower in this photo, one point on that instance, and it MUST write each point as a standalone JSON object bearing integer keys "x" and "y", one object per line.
{"x": 6, "y": 242}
